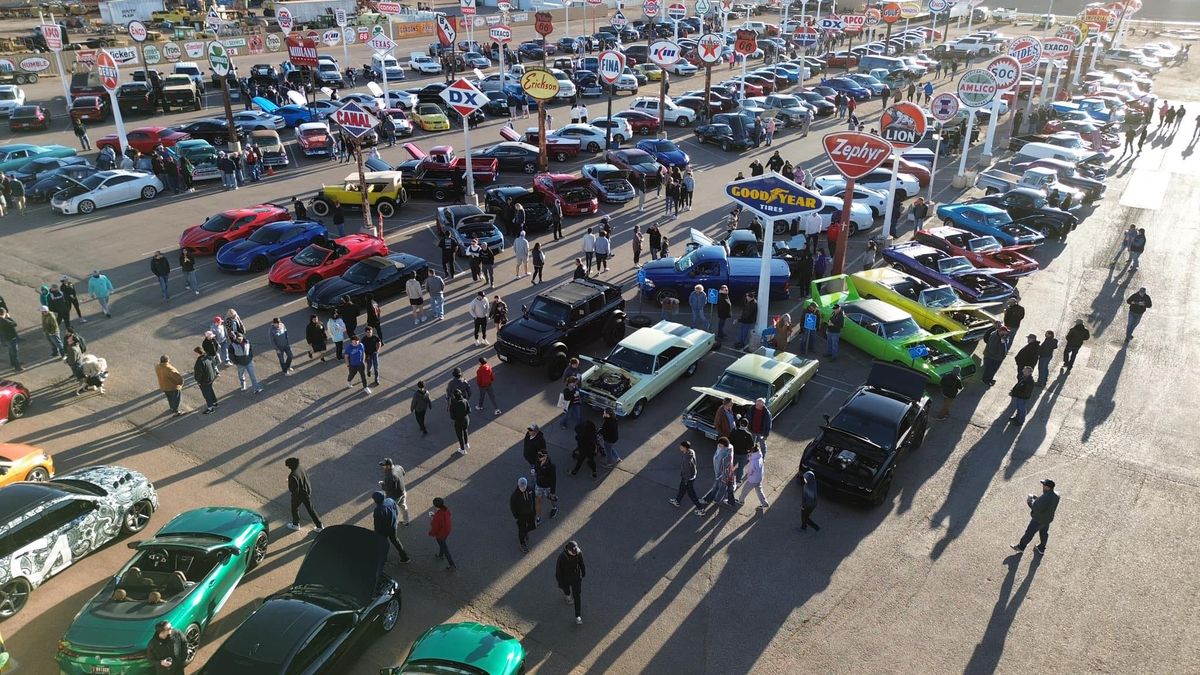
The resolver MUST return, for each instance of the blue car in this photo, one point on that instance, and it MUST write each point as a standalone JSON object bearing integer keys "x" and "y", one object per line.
{"x": 269, "y": 243}
{"x": 939, "y": 267}
{"x": 986, "y": 220}
{"x": 666, "y": 152}
{"x": 876, "y": 87}
{"x": 293, "y": 115}
{"x": 791, "y": 76}
{"x": 849, "y": 87}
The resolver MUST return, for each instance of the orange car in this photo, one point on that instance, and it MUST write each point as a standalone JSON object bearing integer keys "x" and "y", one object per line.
{"x": 20, "y": 462}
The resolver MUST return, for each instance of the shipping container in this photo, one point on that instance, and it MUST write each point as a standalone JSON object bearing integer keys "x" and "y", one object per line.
{"x": 121, "y": 12}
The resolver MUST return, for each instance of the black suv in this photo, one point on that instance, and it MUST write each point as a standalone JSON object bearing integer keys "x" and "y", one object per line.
{"x": 561, "y": 319}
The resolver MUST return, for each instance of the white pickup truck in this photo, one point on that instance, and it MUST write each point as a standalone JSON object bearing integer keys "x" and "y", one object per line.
{"x": 1040, "y": 179}
{"x": 978, "y": 46}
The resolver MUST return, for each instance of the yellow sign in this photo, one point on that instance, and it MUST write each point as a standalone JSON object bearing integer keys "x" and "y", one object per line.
{"x": 413, "y": 29}
{"x": 540, "y": 84}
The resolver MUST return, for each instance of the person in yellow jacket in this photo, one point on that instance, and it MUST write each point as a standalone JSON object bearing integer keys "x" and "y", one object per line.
{"x": 170, "y": 383}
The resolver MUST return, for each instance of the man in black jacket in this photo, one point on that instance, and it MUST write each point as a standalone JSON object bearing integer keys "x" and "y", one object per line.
{"x": 747, "y": 321}
{"x": 534, "y": 445}
{"x": 743, "y": 442}
{"x": 205, "y": 373}
{"x": 1041, "y": 514}
{"x": 161, "y": 268}
{"x": 1138, "y": 304}
{"x": 952, "y": 385}
{"x": 1027, "y": 357}
{"x": 545, "y": 485}
{"x": 524, "y": 510}
{"x": 1020, "y": 394}
{"x": 301, "y": 491}
{"x": 1075, "y": 339}
{"x": 167, "y": 650}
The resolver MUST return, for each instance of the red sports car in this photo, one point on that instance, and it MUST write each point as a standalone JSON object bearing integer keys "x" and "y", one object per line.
{"x": 314, "y": 263}
{"x": 208, "y": 237}
{"x": 983, "y": 252}
{"x": 918, "y": 171}
{"x": 643, "y": 123}
{"x": 14, "y": 400}
{"x": 27, "y": 117}
{"x": 572, "y": 193}
{"x": 145, "y": 139}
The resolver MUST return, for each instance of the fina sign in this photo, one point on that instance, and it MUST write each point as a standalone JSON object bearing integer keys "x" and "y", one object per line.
{"x": 773, "y": 196}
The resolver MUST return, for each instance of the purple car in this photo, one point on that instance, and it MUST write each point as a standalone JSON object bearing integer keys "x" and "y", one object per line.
{"x": 938, "y": 267}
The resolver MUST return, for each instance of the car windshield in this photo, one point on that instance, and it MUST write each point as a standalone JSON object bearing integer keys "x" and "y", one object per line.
{"x": 8, "y": 95}
{"x": 218, "y": 223}
{"x": 954, "y": 265}
{"x": 664, "y": 146}
{"x": 311, "y": 133}
{"x": 998, "y": 219}
{"x": 548, "y": 311}
{"x": 93, "y": 182}
{"x": 361, "y": 273}
{"x": 629, "y": 359}
{"x": 937, "y": 298}
{"x": 897, "y": 330}
{"x": 25, "y": 111}
{"x": 311, "y": 256}
{"x": 858, "y": 423}
{"x": 685, "y": 261}
{"x": 428, "y": 109}
{"x": 742, "y": 386}
{"x": 267, "y": 235}
{"x": 984, "y": 244}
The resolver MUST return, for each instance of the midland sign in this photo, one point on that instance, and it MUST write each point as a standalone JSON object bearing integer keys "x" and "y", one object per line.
{"x": 302, "y": 51}
{"x": 773, "y": 196}
{"x": 856, "y": 154}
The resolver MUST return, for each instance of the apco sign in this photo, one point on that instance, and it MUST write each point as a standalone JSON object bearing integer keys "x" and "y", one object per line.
{"x": 1007, "y": 71}
{"x": 944, "y": 107}
{"x": 746, "y": 42}
{"x": 1027, "y": 50}
{"x": 664, "y": 53}
{"x": 902, "y": 125}
{"x": 856, "y": 154}
{"x": 501, "y": 34}
{"x": 1057, "y": 48}
{"x": 612, "y": 64}
{"x": 540, "y": 84}
{"x": 854, "y": 23}
{"x": 302, "y": 51}
{"x": 543, "y": 23}
{"x": 709, "y": 47}
{"x": 977, "y": 88}
{"x": 773, "y": 196}
{"x": 52, "y": 33}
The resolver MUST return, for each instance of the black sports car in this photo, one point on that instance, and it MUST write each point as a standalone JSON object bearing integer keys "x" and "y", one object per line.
{"x": 722, "y": 135}
{"x": 215, "y": 131}
{"x": 513, "y": 156}
{"x": 859, "y": 448}
{"x": 430, "y": 93}
{"x": 497, "y": 104}
{"x": 379, "y": 276}
{"x": 502, "y": 200}
{"x": 341, "y": 596}
{"x": 49, "y": 185}
{"x": 640, "y": 164}
{"x": 531, "y": 51}
{"x": 1032, "y": 209}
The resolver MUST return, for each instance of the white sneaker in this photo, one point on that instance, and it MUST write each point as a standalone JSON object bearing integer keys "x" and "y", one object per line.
{"x": 578, "y": 621}
{"x": 479, "y": 407}
{"x": 366, "y": 390}
{"x": 349, "y": 385}
{"x": 485, "y": 342}
{"x": 292, "y": 526}
{"x": 498, "y": 411}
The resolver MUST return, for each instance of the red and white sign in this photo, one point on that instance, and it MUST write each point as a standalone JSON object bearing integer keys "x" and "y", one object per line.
{"x": 355, "y": 119}
{"x": 1097, "y": 15}
{"x": 944, "y": 106}
{"x": 874, "y": 17}
{"x": 805, "y": 36}
{"x": 1007, "y": 71}
{"x": 746, "y": 42}
{"x": 504, "y": 6}
{"x": 34, "y": 64}
{"x": 854, "y": 23}
{"x": 726, "y": 6}
{"x": 709, "y": 48}
{"x": 445, "y": 30}
{"x": 891, "y": 12}
{"x": 388, "y": 7}
{"x": 543, "y": 23}
{"x": 612, "y": 64}
{"x": 106, "y": 69}
{"x": 283, "y": 17}
{"x": 302, "y": 51}
{"x": 467, "y": 7}
{"x": 676, "y": 11}
{"x": 1057, "y": 48}
{"x": 856, "y": 154}
{"x": 902, "y": 125}
{"x": 381, "y": 43}
{"x": 194, "y": 49}
{"x": 86, "y": 57}
{"x": 52, "y": 32}
{"x": 650, "y": 8}
{"x": 463, "y": 97}
{"x": 501, "y": 34}
{"x": 1027, "y": 50}
{"x": 137, "y": 31}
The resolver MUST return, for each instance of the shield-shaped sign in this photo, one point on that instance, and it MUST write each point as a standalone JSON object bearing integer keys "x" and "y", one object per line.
{"x": 854, "y": 153}
{"x": 746, "y": 42}
{"x": 543, "y": 23}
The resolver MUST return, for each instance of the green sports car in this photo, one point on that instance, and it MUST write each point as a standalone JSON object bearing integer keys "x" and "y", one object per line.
{"x": 463, "y": 648}
{"x": 183, "y": 575}
{"x": 889, "y": 333}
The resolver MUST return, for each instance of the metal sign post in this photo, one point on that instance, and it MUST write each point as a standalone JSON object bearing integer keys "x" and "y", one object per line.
{"x": 218, "y": 60}
{"x": 943, "y": 108}
{"x": 903, "y": 126}
{"x": 339, "y": 17}
{"x": 1008, "y": 76}
{"x": 357, "y": 122}
{"x": 465, "y": 99}
{"x": 976, "y": 89}
{"x": 52, "y": 34}
{"x": 110, "y": 78}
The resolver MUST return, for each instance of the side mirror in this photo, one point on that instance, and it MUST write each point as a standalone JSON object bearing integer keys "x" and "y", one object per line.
{"x": 826, "y": 418}
{"x": 133, "y": 545}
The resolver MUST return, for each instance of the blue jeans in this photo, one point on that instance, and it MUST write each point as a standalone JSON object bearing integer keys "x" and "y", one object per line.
{"x": 56, "y": 344}
{"x": 744, "y": 333}
{"x": 173, "y": 397}
{"x": 1134, "y": 320}
{"x": 1043, "y": 532}
{"x": 228, "y": 181}
{"x": 610, "y": 449}
{"x": 688, "y": 487}
{"x": 373, "y": 365}
{"x": 761, "y": 441}
{"x": 247, "y": 369}
{"x": 573, "y": 416}
{"x": 739, "y": 466}
{"x": 285, "y": 358}
{"x": 162, "y": 286}
{"x": 833, "y": 339}
{"x": 102, "y": 300}
{"x": 437, "y": 302}
{"x": 806, "y": 340}
{"x": 699, "y": 319}
{"x": 1044, "y": 368}
{"x": 990, "y": 366}
{"x": 190, "y": 281}
{"x": 1021, "y": 407}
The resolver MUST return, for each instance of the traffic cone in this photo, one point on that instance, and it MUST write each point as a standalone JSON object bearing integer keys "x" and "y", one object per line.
{"x": 270, "y": 170}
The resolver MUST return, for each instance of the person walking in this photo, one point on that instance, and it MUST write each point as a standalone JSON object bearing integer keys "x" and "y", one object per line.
{"x": 520, "y": 247}
{"x": 570, "y": 403}
{"x": 160, "y": 267}
{"x": 372, "y": 343}
{"x": 283, "y": 346}
{"x": 698, "y": 302}
{"x": 746, "y": 322}
{"x": 316, "y": 336}
{"x": 187, "y": 264}
{"x": 759, "y": 419}
{"x": 808, "y": 502}
{"x": 609, "y": 435}
{"x": 724, "y": 476}
{"x": 485, "y": 377}
{"x": 724, "y": 312}
{"x": 347, "y": 311}
{"x": 440, "y": 527}
{"x": 167, "y": 650}
{"x": 589, "y": 248}
{"x": 1078, "y": 334}
{"x": 204, "y": 371}
{"x": 1027, "y": 356}
{"x": 687, "y": 478}
{"x": 478, "y": 310}
{"x": 81, "y": 133}
{"x": 569, "y": 572}
{"x": 487, "y": 265}
{"x": 1019, "y": 395}
{"x": 539, "y": 263}
{"x": 384, "y": 519}
{"x": 1041, "y": 513}
{"x": 449, "y": 247}
{"x": 50, "y": 329}
{"x": 170, "y": 383}
{"x": 524, "y": 511}
{"x": 356, "y": 363}
{"x": 499, "y": 313}
{"x": 1014, "y": 314}
{"x": 833, "y": 330}
{"x": 301, "y": 492}
{"x": 436, "y": 287}
{"x": 242, "y": 355}
{"x": 995, "y": 348}
{"x": 101, "y": 289}
{"x": 335, "y": 328}
{"x": 1126, "y": 240}
{"x": 586, "y": 439}
{"x": 1045, "y": 356}
{"x": 1136, "y": 247}
{"x": 72, "y": 297}
{"x": 952, "y": 386}
{"x": 10, "y": 338}
{"x": 460, "y": 413}
{"x": 754, "y": 479}
{"x": 545, "y": 481}
{"x": 420, "y": 405}
{"x": 1138, "y": 303}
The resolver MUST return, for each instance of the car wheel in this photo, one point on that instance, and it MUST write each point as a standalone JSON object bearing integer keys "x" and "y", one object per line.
{"x": 386, "y": 209}
{"x": 683, "y": 121}
{"x": 948, "y": 222}
{"x": 725, "y": 146}
{"x": 920, "y": 437}
{"x": 556, "y": 365}
{"x": 149, "y": 192}
{"x": 881, "y": 493}
{"x": 593, "y": 147}
{"x": 38, "y": 475}
{"x": 990, "y": 191}
{"x": 439, "y": 195}
{"x": 665, "y": 293}
{"x": 311, "y": 281}
{"x": 87, "y": 206}
{"x": 618, "y": 138}
{"x": 614, "y": 329}
{"x": 321, "y": 207}
{"x": 390, "y": 615}
{"x": 637, "y": 409}
{"x": 560, "y": 157}
{"x": 220, "y": 141}
{"x": 17, "y": 406}
{"x": 13, "y": 597}
{"x": 191, "y": 636}
{"x": 530, "y": 168}
{"x": 258, "y": 264}
{"x": 137, "y": 517}
{"x": 644, "y": 131}
{"x": 258, "y": 553}
{"x": 691, "y": 370}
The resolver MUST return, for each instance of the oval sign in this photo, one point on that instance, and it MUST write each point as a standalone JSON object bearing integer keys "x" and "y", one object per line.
{"x": 172, "y": 52}
{"x": 902, "y": 125}
{"x": 274, "y": 44}
{"x": 1007, "y": 71}
{"x": 944, "y": 106}
{"x": 910, "y": 10}
{"x": 977, "y": 88}
{"x": 540, "y": 84}
{"x": 152, "y": 54}
{"x": 331, "y": 37}
{"x": 664, "y": 53}
{"x": 34, "y": 64}
{"x": 1027, "y": 50}
{"x": 1072, "y": 33}
{"x": 348, "y": 35}
{"x": 937, "y": 6}
{"x": 137, "y": 31}
{"x": 873, "y": 17}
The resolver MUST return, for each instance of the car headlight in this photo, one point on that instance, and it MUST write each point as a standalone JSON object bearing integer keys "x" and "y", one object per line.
{"x": 296, "y": 275}
{"x": 619, "y": 408}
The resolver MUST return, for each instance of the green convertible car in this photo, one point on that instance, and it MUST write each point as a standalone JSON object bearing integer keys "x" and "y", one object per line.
{"x": 463, "y": 649}
{"x": 183, "y": 575}
{"x": 889, "y": 333}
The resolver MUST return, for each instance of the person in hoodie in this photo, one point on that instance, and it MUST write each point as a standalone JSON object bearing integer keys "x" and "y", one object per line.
{"x": 754, "y": 480}
{"x": 533, "y": 445}
{"x": 100, "y": 288}
{"x": 283, "y": 346}
{"x": 585, "y": 446}
{"x": 60, "y": 305}
{"x": 485, "y": 377}
{"x": 479, "y": 309}
{"x": 460, "y": 414}
{"x": 687, "y": 477}
{"x": 393, "y": 486}
{"x": 51, "y": 331}
{"x": 335, "y": 327}
{"x": 569, "y": 572}
{"x": 170, "y": 383}
{"x": 524, "y": 511}
{"x": 724, "y": 476}
{"x": 808, "y": 502}
{"x": 1078, "y": 334}
{"x": 609, "y": 433}
{"x": 204, "y": 371}
{"x": 72, "y": 296}
{"x": 301, "y": 491}
{"x": 187, "y": 264}
{"x": 221, "y": 337}
{"x": 316, "y": 337}
{"x": 384, "y": 519}
{"x": 160, "y": 267}
{"x": 420, "y": 405}
{"x": 242, "y": 354}
{"x": 356, "y": 360}
{"x": 440, "y": 528}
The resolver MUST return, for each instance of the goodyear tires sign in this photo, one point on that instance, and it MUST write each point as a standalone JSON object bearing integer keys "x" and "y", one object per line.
{"x": 773, "y": 196}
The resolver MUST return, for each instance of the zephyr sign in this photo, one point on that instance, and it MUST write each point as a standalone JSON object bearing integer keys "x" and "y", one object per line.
{"x": 856, "y": 154}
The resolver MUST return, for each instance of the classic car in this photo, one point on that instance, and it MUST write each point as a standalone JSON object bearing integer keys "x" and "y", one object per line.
{"x": 610, "y": 183}
{"x": 572, "y": 193}
{"x": 876, "y": 200}
{"x": 641, "y": 166}
{"x": 1033, "y": 210}
{"x": 640, "y": 366}
{"x": 203, "y": 157}
{"x": 1068, "y": 174}
{"x": 502, "y": 201}
{"x": 512, "y": 156}
{"x": 937, "y": 267}
{"x": 454, "y": 648}
{"x": 665, "y": 152}
{"x": 987, "y": 220}
{"x": 341, "y": 598}
{"x": 559, "y": 149}
{"x": 270, "y": 243}
{"x": 984, "y": 252}
{"x": 887, "y": 332}
{"x": 314, "y": 139}
{"x": 14, "y": 400}
{"x": 443, "y": 159}
{"x": 319, "y": 261}
{"x": 208, "y": 237}
{"x": 292, "y": 114}
{"x": 20, "y": 462}
{"x": 385, "y": 194}
{"x": 143, "y": 139}
{"x": 215, "y": 131}
{"x": 380, "y": 277}
{"x": 268, "y": 143}
{"x": 559, "y": 321}
{"x": 859, "y": 448}
{"x": 45, "y": 527}
{"x": 743, "y": 244}
{"x": 41, "y": 167}
{"x": 29, "y": 117}
{"x": 467, "y": 222}
{"x": 183, "y": 574}
{"x": 776, "y": 377}
{"x": 711, "y": 267}
{"x": 106, "y": 188}
{"x": 937, "y": 309}
{"x": 430, "y": 117}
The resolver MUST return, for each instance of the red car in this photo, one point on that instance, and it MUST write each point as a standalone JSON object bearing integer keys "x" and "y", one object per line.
{"x": 643, "y": 123}
{"x": 28, "y": 117}
{"x": 314, "y": 263}
{"x": 918, "y": 171}
{"x": 842, "y": 59}
{"x": 90, "y": 108}
{"x": 765, "y": 84}
{"x": 983, "y": 252}
{"x": 145, "y": 139}
{"x": 572, "y": 193}
{"x": 208, "y": 237}
{"x": 14, "y": 400}
{"x": 752, "y": 88}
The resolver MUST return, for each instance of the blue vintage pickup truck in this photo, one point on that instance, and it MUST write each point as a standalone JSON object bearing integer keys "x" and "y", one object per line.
{"x": 710, "y": 267}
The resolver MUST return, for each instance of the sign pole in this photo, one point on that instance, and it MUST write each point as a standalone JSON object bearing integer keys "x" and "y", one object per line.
{"x": 707, "y": 112}
{"x": 62, "y": 73}
{"x": 891, "y": 199}
{"x": 937, "y": 151}
{"x": 843, "y": 240}
{"x": 1078, "y": 66}
{"x": 470, "y": 167}
{"x": 362, "y": 189}
{"x": 764, "y": 278}
{"x": 962, "y": 162}
{"x": 122, "y": 138}
{"x": 993, "y": 123}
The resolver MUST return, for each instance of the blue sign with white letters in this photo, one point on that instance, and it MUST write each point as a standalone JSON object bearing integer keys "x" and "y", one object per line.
{"x": 917, "y": 351}
{"x": 773, "y": 196}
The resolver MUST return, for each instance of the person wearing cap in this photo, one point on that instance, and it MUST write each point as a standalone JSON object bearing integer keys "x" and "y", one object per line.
{"x": 221, "y": 338}
{"x": 833, "y": 330}
{"x": 995, "y": 348}
{"x": 160, "y": 267}
{"x": 609, "y": 434}
{"x": 545, "y": 485}
{"x": 101, "y": 289}
{"x": 760, "y": 420}
{"x": 1027, "y": 356}
{"x": 1138, "y": 304}
{"x": 393, "y": 486}
{"x": 50, "y": 330}
{"x": 60, "y": 305}
{"x": 170, "y": 383}
{"x": 569, "y": 571}
{"x": 1019, "y": 395}
{"x": 440, "y": 527}
{"x": 524, "y": 511}
{"x": 420, "y": 404}
{"x": 167, "y": 650}
{"x": 951, "y": 385}
{"x": 533, "y": 444}
{"x": 460, "y": 414}
{"x": 205, "y": 372}
{"x": 1041, "y": 514}
{"x": 384, "y": 519}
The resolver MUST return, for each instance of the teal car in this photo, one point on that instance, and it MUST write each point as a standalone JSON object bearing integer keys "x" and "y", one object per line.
{"x": 889, "y": 333}
{"x": 461, "y": 649}
{"x": 17, "y": 154}
{"x": 183, "y": 575}
{"x": 202, "y": 155}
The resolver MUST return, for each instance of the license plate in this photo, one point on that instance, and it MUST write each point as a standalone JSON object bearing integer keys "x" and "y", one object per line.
{"x": 100, "y": 669}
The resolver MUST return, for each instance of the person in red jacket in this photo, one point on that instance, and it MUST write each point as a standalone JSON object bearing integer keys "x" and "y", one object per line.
{"x": 440, "y": 529}
{"x": 484, "y": 377}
